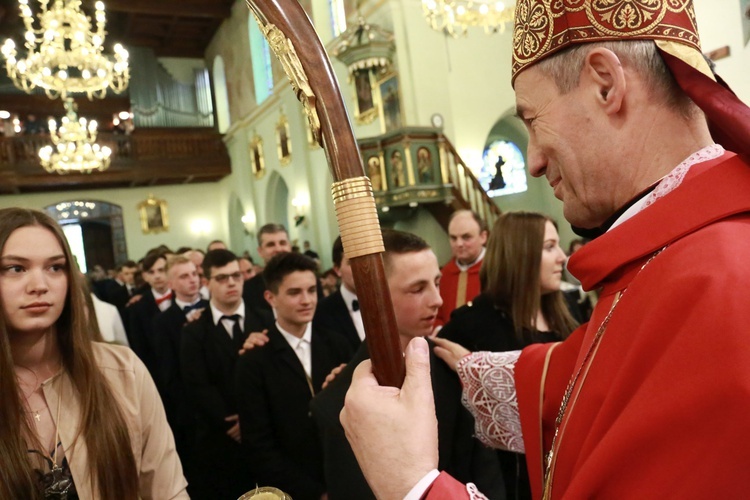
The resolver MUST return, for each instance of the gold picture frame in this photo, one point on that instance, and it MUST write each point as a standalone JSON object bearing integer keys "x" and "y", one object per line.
{"x": 389, "y": 97}
{"x": 283, "y": 141}
{"x": 154, "y": 216}
{"x": 365, "y": 97}
{"x": 257, "y": 162}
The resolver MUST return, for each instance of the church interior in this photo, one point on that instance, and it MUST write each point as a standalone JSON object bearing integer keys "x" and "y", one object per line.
{"x": 207, "y": 140}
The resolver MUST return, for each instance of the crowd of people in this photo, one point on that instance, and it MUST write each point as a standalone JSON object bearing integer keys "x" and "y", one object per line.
{"x": 628, "y": 123}
{"x": 237, "y": 376}
{"x": 247, "y": 366}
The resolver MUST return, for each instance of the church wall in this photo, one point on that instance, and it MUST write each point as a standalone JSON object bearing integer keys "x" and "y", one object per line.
{"x": 720, "y": 24}
{"x": 467, "y": 80}
{"x": 185, "y": 204}
{"x": 182, "y": 69}
{"x": 425, "y": 225}
{"x": 232, "y": 43}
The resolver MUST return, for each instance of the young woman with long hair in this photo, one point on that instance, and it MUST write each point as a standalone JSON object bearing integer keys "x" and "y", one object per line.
{"x": 78, "y": 419}
{"x": 520, "y": 304}
{"x": 521, "y": 301}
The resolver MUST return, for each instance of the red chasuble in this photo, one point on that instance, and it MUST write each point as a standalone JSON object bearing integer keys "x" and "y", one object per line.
{"x": 450, "y": 283}
{"x": 660, "y": 409}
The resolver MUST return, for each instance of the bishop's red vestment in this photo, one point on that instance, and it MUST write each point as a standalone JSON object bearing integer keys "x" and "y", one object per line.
{"x": 457, "y": 288}
{"x": 661, "y": 402}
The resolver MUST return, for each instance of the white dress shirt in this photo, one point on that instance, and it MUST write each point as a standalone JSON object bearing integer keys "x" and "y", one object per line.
{"x": 227, "y": 323}
{"x": 302, "y": 346}
{"x": 349, "y": 298}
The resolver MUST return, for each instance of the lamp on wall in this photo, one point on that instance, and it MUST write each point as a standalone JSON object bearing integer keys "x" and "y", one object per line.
{"x": 454, "y": 17}
{"x": 201, "y": 227}
{"x": 248, "y": 220}
{"x": 301, "y": 205}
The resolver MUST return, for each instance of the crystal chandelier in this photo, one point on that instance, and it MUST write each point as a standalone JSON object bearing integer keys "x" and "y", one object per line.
{"x": 453, "y": 17}
{"x": 75, "y": 148}
{"x": 65, "y": 54}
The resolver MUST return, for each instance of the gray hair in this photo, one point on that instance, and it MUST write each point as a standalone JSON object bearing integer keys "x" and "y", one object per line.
{"x": 564, "y": 68}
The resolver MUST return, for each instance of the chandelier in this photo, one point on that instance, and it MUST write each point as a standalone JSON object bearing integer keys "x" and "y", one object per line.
{"x": 453, "y": 17}
{"x": 75, "y": 148}
{"x": 65, "y": 53}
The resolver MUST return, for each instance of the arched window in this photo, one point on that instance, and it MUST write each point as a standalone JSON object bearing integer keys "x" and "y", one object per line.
{"x": 338, "y": 16}
{"x": 503, "y": 169}
{"x": 221, "y": 94}
{"x": 260, "y": 55}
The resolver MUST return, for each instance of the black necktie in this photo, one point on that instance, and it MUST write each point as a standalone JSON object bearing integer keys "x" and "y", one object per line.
{"x": 191, "y": 307}
{"x": 237, "y": 328}
{"x": 355, "y": 305}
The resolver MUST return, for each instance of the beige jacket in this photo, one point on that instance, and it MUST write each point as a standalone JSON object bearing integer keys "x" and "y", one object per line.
{"x": 159, "y": 469}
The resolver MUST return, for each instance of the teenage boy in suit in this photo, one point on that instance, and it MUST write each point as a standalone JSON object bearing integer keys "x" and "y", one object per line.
{"x": 414, "y": 282}
{"x": 339, "y": 312}
{"x": 275, "y": 382}
{"x": 209, "y": 349}
{"x": 141, "y": 314}
{"x": 187, "y": 305}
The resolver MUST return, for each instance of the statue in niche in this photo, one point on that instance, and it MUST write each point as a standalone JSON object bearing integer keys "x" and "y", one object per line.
{"x": 373, "y": 172}
{"x": 498, "y": 182}
{"x": 397, "y": 169}
{"x": 424, "y": 165}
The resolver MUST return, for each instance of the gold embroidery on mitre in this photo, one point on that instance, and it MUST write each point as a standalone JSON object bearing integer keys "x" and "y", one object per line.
{"x": 543, "y": 27}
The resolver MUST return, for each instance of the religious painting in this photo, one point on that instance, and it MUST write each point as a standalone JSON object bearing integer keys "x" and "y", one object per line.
{"x": 424, "y": 166}
{"x": 398, "y": 170}
{"x": 365, "y": 109}
{"x": 257, "y": 162}
{"x": 373, "y": 172}
{"x": 283, "y": 141}
{"x": 153, "y": 214}
{"x": 390, "y": 102}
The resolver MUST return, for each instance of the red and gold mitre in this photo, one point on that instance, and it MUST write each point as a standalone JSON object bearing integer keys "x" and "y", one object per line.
{"x": 544, "y": 27}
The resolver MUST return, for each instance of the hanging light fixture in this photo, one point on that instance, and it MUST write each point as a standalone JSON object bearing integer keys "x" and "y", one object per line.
{"x": 65, "y": 54}
{"x": 75, "y": 148}
{"x": 454, "y": 17}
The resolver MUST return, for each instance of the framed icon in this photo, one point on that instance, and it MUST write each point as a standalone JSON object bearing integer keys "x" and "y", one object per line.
{"x": 283, "y": 141}
{"x": 390, "y": 102}
{"x": 366, "y": 109}
{"x": 257, "y": 163}
{"x": 154, "y": 217}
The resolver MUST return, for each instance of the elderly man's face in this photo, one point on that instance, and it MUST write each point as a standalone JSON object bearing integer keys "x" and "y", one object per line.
{"x": 568, "y": 145}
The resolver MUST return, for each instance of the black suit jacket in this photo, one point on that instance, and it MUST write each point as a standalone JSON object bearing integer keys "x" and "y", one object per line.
{"x": 140, "y": 334}
{"x": 273, "y": 396}
{"x": 252, "y": 293}
{"x": 167, "y": 330}
{"x": 119, "y": 296}
{"x": 332, "y": 314}
{"x": 114, "y": 293}
{"x": 460, "y": 454}
{"x": 207, "y": 360}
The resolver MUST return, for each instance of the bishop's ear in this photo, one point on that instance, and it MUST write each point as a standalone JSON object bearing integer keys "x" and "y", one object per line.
{"x": 604, "y": 72}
